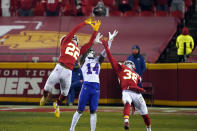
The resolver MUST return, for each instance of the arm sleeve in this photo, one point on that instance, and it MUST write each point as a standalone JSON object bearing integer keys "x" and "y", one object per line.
{"x": 70, "y": 35}
{"x": 103, "y": 53}
{"x": 113, "y": 62}
{"x": 192, "y": 43}
{"x": 177, "y": 43}
{"x": 101, "y": 59}
{"x": 85, "y": 48}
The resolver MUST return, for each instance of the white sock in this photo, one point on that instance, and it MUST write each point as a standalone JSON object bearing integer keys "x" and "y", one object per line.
{"x": 126, "y": 120}
{"x": 75, "y": 119}
{"x": 148, "y": 128}
{"x": 93, "y": 119}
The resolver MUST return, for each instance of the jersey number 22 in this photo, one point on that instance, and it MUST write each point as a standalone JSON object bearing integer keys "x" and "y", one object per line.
{"x": 72, "y": 50}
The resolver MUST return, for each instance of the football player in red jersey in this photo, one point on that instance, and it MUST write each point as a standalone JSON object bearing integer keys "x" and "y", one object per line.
{"x": 69, "y": 54}
{"x": 131, "y": 93}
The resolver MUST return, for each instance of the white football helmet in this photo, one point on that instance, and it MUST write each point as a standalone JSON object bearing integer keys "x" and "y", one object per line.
{"x": 130, "y": 64}
{"x": 91, "y": 53}
{"x": 75, "y": 39}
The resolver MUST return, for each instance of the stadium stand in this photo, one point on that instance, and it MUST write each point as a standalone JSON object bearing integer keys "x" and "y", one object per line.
{"x": 146, "y": 13}
{"x": 140, "y": 30}
{"x": 131, "y": 13}
{"x": 161, "y": 13}
{"x": 115, "y": 13}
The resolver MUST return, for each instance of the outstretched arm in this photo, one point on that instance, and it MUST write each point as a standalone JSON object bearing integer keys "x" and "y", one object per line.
{"x": 113, "y": 62}
{"x": 111, "y": 38}
{"x": 70, "y": 35}
{"x": 85, "y": 48}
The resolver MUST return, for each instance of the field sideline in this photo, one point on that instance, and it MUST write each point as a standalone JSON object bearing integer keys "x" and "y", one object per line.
{"x": 35, "y": 118}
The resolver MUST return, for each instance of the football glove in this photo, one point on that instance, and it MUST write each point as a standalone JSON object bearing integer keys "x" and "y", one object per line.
{"x": 111, "y": 36}
{"x": 98, "y": 37}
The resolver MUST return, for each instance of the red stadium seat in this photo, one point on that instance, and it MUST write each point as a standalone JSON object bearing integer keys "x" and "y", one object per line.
{"x": 69, "y": 10}
{"x": 93, "y": 2}
{"x": 131, "y": 13}
{"x": 161, "y": 13}
{"x": 39, "y": 10}
{"x": 177, "y": 14}
{"x": 109, "y": 3}
{"x": 87, "y": 10}
{"x": 146, "y": 13}
{"x": 115, "y": 13}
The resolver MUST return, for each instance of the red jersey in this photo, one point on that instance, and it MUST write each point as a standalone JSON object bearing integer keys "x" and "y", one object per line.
{"x": 128, "y": 78}
{"x": 70, "y": 52}
{"x": 27, "y": 4}
{"x": 52, "y": 5}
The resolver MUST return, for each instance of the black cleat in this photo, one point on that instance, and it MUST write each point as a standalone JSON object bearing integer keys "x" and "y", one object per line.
{"x": 126, "y": 125}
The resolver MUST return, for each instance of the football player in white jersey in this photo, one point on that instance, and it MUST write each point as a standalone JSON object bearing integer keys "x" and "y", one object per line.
{"x": 90, "y": 66}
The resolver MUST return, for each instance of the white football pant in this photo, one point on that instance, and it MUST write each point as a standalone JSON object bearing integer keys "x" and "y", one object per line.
{"x": 137, "y": 99}
{"x": 59, "y": 75}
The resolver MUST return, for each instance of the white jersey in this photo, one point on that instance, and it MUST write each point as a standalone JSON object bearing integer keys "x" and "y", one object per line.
{"x": 91, "y": 69}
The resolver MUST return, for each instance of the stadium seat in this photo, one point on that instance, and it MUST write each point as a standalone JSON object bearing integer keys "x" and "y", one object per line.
{"x": 115, "y": 13}
{"x": 161, "y": 13}
{"x": 69, "y": 11}
{"x": 131, "y": 13}
{"x": 178, "y": 14}
{"x": 146, "y": 13}
{"x": 109, "y": 3}
{"x": 149, "y": 91}
{"x": 93, "y": 2}
{"x": 39, "y": 10}
{"x": 87, "y": 10}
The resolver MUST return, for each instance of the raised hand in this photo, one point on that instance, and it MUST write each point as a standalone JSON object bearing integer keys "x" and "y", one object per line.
{"x": 111, "y": 36}
{"x": 98, "y": 37}
{"x": 89, "y": 20}
{"x": 95, "y": 25}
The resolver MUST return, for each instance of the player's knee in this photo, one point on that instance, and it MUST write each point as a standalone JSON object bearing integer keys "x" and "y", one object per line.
{"x": 92, "y": 111}
{"x": 127, "y": 101}
{"x": 64, "y": 93}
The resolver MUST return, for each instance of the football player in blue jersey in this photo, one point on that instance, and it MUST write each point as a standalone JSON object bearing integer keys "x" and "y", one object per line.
{"x": 90, "y": 66}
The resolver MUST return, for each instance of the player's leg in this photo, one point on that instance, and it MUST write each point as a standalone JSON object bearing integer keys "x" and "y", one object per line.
{"x": 127, "y": 104}
{"x": 65, "y": 82}
{"x": 83, "y": 99}
{"x": 94, "y": 100}
{"x": 140, "y": 104}
{"x": 50, "y": 83}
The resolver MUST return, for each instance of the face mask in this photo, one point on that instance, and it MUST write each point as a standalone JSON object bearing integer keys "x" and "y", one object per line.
{"x": 91, "y": 54}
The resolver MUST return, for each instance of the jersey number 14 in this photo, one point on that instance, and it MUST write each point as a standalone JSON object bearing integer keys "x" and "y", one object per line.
{"x": 95, "y": 68}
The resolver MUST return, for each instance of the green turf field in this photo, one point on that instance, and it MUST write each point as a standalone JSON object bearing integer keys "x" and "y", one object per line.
{"x": 162, "y": 119}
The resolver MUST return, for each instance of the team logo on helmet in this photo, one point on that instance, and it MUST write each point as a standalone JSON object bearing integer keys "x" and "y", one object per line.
{"x": 130, "y": 64}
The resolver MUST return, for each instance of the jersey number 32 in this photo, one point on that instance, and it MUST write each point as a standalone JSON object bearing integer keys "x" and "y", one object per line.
{"x": 72, "y": 50}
